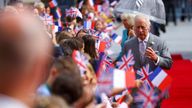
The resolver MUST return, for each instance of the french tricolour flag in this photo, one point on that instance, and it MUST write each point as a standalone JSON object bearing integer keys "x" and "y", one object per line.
{"x": 88, "y": 24}
{"x": 160, "y": 79}
{"x": 116, "y": 38}
{"x": 53, "y": 3}
{"x": 123, "y": 79}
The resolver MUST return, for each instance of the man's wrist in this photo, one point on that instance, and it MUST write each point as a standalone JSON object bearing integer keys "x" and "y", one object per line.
{"x": 157, "y": 61}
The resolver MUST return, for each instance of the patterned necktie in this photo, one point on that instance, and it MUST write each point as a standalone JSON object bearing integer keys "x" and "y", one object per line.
{"x": 139, "y": 3}
{"x": 142, "y": 50}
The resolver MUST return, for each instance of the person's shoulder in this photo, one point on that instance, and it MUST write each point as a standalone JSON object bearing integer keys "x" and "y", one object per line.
{"x": 156, "y": 38}
{"x": 125, "y": 30}
{"x": 158, "y": 41}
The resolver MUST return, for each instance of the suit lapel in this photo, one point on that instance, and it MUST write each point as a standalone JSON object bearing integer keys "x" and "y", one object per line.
{"x": 150, "y": 41}
{"x": 137, "y": 53}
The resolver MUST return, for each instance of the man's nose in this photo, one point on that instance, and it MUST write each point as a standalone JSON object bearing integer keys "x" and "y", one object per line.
{"x": 140, "y": 29}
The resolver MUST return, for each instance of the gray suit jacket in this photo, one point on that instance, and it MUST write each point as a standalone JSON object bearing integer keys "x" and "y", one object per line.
{"x": 157, "y": 45}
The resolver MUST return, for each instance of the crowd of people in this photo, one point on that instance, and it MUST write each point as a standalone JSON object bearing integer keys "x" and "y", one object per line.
{"x": 51, "y": 59}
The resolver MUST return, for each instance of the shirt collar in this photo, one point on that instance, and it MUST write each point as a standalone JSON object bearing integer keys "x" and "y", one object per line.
{"x": 145, "y": 40}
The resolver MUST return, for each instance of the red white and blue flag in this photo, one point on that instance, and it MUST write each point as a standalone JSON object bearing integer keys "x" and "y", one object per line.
{"x": 53, "y": 3}
{"x": 81, "y": 61}
{"x": 105, "y": 78}
{"x": 121, "y": 96}
{"x": 101, "y": 46}
{"x": 126, "y": 61}
{"x": 143, "y": 74}
{"x": 58, "y": 13}
{"x": 73, "y": 12}
{"x": 108, "y": 61}
{"x": 56, "y": 28}
{"x": 116, "y": 38}
{"x": 108, "y": 42}
{"x": 94, "y": 34}
{"x": 146, "y": 97}
{"x": 115, "y": 78}
{"x": 47, "y": 19}
{"x": 58, "y": 23}
{"x": 88, "y": 24}
{"x": 123, "y": 79}
{"x": 109, "y": 28}
{"x": 160, "y": 79}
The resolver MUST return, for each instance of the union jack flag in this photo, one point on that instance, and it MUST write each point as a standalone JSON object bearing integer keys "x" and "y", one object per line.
{"x": 106, "y": 76}
{"x": 104, "y": 87}
{"x": 143, "y": 74}
{"x": 108, "y": 42}
{"x": 126, "y": 61}
{"x": 94, "y": 33}
{"x": 81, "y": 61}
{"x": 73, "y": 12}
{"x": 47, "y": 19}
{"x": 108, "y": 61}
{"x": 146, "y": 97}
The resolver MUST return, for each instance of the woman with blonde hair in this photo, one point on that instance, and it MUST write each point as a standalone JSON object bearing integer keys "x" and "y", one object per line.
{"x": 128, "y": 32}
{"x": 128, "y": 22}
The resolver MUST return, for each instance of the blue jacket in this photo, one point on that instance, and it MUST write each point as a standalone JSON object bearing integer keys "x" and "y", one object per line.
{"x": 125, "y": 37}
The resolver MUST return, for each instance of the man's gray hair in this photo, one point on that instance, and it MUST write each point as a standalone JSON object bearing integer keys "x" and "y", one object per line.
{"x": 146, "y": 18}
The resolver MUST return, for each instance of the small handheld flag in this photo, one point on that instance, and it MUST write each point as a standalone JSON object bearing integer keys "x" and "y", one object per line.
{"x": 160, "y": 79}
{"x": 53, "y": 3}
{"x": 116, "y": 38}
{"x": 126, "y": 61}
{"x": 58, "y": 13}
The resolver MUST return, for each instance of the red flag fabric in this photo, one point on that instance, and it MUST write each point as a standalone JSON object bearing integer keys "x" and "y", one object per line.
{"x": 130, "y": 77}
{"x": 102, "y": 46}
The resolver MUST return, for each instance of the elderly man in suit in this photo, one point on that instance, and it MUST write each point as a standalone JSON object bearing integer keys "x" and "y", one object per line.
{"x": 146, "y": 47}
